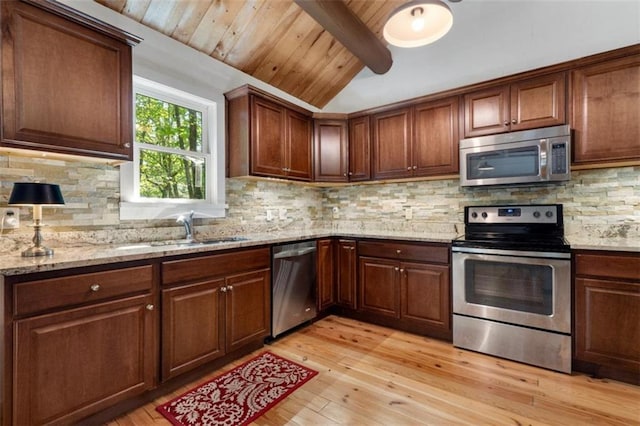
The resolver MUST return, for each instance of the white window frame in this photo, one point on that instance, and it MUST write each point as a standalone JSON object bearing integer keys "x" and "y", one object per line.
{"x": 134, "y": 207}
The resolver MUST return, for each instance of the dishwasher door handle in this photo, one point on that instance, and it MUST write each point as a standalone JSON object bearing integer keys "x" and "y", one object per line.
{"x": 294, "y": 253}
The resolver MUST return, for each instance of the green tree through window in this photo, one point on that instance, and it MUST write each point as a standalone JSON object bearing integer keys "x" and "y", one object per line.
{"x": 172, "y": 162}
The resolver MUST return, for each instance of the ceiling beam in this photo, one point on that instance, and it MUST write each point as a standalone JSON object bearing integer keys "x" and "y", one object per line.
{"x": 335, "y": 17}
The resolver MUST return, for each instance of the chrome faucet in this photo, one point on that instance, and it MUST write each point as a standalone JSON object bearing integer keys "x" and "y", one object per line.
{"x": 187, "y": 221}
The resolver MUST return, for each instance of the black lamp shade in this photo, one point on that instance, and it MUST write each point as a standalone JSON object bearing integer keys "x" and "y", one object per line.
{"x": 33, "y": 193}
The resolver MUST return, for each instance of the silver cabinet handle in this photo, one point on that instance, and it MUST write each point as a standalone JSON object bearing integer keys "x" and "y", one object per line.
{"x": 127, "y": 145}
{"x": 514, "y": 121}
{"x": 95, "y": 287}
{"x": 398, "y": 251}
{"x": 350, "y": 173}
{"x": 229, "y": 287}
{"x": 150, "y": 307}
{"x": 396, "y": 268}
{"x": 415, "y": 167}
{"x": 506, "y": 123}
{"x": 401, "y": 270}
{"x": 409, "y": 168}
{"x": 223, "y": 289}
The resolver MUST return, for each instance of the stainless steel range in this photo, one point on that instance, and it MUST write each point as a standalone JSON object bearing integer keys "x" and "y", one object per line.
{"x": 511, "y": 279}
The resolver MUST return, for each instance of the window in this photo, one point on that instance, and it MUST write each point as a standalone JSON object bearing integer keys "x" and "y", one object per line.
{"x": 174, "y": 167}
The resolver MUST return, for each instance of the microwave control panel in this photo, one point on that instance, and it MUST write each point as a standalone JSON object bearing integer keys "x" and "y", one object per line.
{"x": 559, "y": 157}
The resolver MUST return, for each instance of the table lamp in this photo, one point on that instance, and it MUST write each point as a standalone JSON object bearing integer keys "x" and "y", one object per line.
{"x": 37, "y": 195}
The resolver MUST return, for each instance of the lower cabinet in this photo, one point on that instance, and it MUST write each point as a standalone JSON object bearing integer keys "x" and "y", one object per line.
{"x": 93, "y": 347}
{"x": 325, "y": 279}
{"x": 607, "y": 314}
{"x": 407, "y": 282}
{"x": 346, "y": 267}
{"x": 213, "y": 305}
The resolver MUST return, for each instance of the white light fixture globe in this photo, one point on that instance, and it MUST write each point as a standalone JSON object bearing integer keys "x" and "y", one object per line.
{"x": 418, "y": 23}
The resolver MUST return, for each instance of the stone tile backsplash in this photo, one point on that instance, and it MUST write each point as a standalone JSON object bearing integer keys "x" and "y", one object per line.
{"x": 602, "y": 203}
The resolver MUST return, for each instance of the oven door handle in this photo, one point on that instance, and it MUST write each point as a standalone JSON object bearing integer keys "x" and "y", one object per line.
{"x": 518, "y": 253}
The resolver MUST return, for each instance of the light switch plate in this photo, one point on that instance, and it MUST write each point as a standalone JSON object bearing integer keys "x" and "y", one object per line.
{"x": 9, "y": 218}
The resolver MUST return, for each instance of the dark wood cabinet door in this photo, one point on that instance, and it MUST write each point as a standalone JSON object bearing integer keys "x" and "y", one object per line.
{"x": 268, "y": 138}
{"x": 247, "y": 308}
{"x": 192, "y": 328}
{"x": 379, "y": 286}
{"x": 330, "y": 149}
{"x": 359, "y": 149}
{"x": 425, "y": 295}
{"x": 605, "y": 110}
{"x": 326, "y": 273}
{"x": 298, "y": 153}
{"x": 71, "y": 364}
{"x": 607, "y": 323}
{"x": 486, "y": 111}
{"x": 346, "y": 273}
{"x": 538, "y": 102}
{"x": 436, "y": 137}
{"x": 392, "y": 144}
{"x": 65, "y": 88}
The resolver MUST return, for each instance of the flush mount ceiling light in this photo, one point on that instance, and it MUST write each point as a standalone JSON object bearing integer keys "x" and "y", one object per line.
{"x": 418, "y": 23}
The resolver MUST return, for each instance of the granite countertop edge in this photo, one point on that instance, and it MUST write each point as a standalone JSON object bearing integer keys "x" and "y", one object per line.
{"x": 101, "y": 254}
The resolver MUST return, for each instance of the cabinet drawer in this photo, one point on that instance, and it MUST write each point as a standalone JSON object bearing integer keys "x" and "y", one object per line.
{"x": 186, "y": 270}
{"x": 34, "y": 296}
{"x": 406, "y": 251}
{"x": 608, "y": 265}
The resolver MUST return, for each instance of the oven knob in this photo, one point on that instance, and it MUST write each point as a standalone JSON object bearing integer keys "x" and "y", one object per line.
{"x": 474, "y": 215}
{"x": 484, "y": 215}
{"x": 549, "y": 213}
{"x": 536, "y": 214}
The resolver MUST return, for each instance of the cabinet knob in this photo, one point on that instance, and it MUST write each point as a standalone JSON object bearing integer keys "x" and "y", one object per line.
{"x": 350, "y": 173}
{"x": 401, "y": 270}
{"x": 352, "y": 248}
{"x": 223, "y": 289}
{"x": 344, "y": 174}
{"x": 150, "y": 307}
{"x": 409, "y": 168}
{"x": 396, "y": 268}
{"x": 229, "y": 287}
{"x": 398, "y": 251}
{"x": 127, "y": 145}
{"x": 95, "y": 287}
{"x": 506, "y": 123}
{"x": 514, "y": 121}
{"x": 415, "y": 167}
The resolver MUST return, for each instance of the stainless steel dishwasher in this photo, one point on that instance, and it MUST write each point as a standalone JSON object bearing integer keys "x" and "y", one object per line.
{"x": 293, "y": 285}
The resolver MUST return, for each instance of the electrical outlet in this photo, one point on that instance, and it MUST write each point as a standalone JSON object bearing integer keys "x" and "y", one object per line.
{"x": 336, "y": 213}
{"x": 408, "y": 213}
{"x": 282, "y": 214}
{"x": 9, "y": 218}
{"x": 269, "y": 215}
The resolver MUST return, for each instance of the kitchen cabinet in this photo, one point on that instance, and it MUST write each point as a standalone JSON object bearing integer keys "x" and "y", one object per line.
{"x": 326, "y": 273}
{"x": 519, "y": 105}
{"x": 74, "y": 355}
{"x": 66, "y": 82}
{"x": 604, "y": 111}
{"x": 408, "y": 283}
{"x": 346, "y": 267}
{"x": 420, "y": 140}
{"x": 607, "y": 314}
{"x": 359, "y": 149}
{"x": 331, "y": 151}
{"x": 213, "y": 305}
{"x": 267, "y": 137}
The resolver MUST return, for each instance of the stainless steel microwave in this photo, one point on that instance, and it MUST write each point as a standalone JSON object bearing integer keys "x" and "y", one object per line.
{"x": 530, "y": 156}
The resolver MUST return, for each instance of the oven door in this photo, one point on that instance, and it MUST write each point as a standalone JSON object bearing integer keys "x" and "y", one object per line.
{"x": 512, "y": 287}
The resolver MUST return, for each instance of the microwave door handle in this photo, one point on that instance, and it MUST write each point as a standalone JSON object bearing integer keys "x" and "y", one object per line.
{"x": 544, "y": 156}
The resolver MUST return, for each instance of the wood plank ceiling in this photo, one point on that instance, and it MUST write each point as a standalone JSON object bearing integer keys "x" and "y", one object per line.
{"x": 272, "y": 40}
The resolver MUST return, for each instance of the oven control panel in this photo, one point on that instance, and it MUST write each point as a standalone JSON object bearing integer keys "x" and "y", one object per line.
{"x": 544, "y": 213}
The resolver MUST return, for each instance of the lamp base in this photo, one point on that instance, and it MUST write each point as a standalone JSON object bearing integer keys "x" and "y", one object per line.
{"x": 36, "y": 251}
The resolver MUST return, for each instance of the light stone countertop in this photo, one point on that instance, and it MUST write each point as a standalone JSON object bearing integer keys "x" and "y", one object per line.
{"x": 88, "y": 255}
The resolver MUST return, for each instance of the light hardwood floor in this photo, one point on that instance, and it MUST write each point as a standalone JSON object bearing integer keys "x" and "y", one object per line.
{"x": 372, "y": 375}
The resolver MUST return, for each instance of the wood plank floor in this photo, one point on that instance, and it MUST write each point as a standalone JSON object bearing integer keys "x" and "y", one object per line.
{"x": 372, "y": 375}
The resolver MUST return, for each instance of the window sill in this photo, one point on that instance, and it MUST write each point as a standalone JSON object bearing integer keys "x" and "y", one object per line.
{"x": 145, "y": 211}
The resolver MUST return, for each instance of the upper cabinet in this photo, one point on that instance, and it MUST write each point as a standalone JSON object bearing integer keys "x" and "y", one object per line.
{"x": 605, "y": 101}
{"x": 266, "y": 137}
{"x": 359, "y": 149}
{"x": 520, "y": 105}
{"x": 331, "y": 147}
{"x": 420, "y": 140}
{"x": 66, "y": 82}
